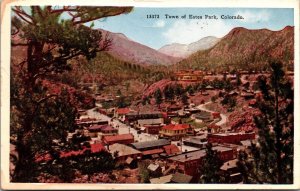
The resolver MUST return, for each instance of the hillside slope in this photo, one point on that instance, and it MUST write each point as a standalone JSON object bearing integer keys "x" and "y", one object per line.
{"x": 245, "y": 49}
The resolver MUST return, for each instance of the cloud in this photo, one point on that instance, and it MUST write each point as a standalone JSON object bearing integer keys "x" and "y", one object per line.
{"x": 159, "y": 24}
{"x": 254, "y": 16}
{"x": 188, "y": 31}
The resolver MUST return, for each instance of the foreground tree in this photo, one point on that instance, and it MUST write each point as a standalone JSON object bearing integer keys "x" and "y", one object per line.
{"x": 210, "y": 168}
{"x": 38, "y": 115}
{"x": 271, "y": 158}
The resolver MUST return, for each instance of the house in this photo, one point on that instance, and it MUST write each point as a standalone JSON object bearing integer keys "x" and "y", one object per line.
{"x": 135, "y": 116}
{"x": 100, "y": 130}
{"x": 233, "y": 138}
{"x": 189, "y": 75}
{"x": 122, "y": 139}
{"x": 120, "y": 113}
{"x": 175, "y": 131}
{"x": 153, "y": 128}
{"x": 209, "y": 87}
{"x": 155, "y": 170}
{"x": 181, "y": 178}
{"x": 124, "y": 153}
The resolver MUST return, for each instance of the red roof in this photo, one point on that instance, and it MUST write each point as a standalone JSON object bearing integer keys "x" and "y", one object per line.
{"x": 95, "y": 127}
{"x": 171, "y": 149}
{"x": 123, "y": 111}
{"x": 153, "y": 151}
{"x": 176, "y": 127}
{"x": 113, "y": 138}
{"x": 95, "y": 148}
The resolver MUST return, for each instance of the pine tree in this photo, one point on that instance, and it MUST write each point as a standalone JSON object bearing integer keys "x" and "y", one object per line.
{"x": 271, "y": 159}
{"x": 210, "y": 167}
{"x": 51, "y": 42}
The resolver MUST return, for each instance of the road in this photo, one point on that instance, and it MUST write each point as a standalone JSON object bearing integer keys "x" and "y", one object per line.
{"x": 224, "y": 118}
{"x": 123, "y": 128}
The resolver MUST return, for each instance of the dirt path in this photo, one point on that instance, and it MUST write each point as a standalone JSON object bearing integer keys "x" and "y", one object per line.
{"x": 224, "y": 118}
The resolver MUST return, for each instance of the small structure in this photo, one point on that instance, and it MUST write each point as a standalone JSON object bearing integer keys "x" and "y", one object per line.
{"x": 213, "y": 128}
{"x": 125, "y": 154}
{"x": 181, "y": 178}
{"x": 155, "y": 170}
{"x": 230, "y": 168}
{"x": 161, "y": 180}
{"x": 189, "y": 75}
{"x": 120, "y": 113}
{"x": 122, "y": 139}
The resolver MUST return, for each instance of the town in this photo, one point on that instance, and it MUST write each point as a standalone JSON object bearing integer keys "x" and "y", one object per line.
{"x": 170, "y": 138}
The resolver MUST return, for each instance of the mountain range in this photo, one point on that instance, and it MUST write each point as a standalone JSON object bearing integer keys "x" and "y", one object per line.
{"x": 128, "y": 50}
{"x": 245, "y": 49}
{"x": 185, "y": 50}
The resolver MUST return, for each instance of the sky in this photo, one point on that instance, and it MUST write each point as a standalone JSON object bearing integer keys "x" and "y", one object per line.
{"x": 157, "y": 32}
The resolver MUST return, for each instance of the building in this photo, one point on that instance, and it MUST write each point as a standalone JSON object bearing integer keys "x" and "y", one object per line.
{"x": 230, "y": 169}
{"x": 149, "y": 145}
{"x": 234, "y": 138}
{"x": 175, "y": 131}
{"x": 135, "y": 116}
{"x": 124, "y": 153}
{"x": 151, "y": 148}
{"x": 122, "y": 139}
{"x": 171, "y": 150}
{"x": 155, "y": 170}
{"x": 100, "y": 130}
{"x": 190, "y": 162}
{"x": 197, "y": 141}
{"x": 120, "y": 113}
{"x": 153, "y": 128}
{"x": 157, "y": 121}
{"x": 189, "y": 75}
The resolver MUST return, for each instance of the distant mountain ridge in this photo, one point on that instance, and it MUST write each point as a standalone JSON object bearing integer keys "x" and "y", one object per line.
{"x": 128, "y": 50}
{"x": 244, "y": 48}
{"x": 185, "y": 50}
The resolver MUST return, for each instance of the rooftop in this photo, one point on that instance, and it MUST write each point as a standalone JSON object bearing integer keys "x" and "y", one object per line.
{"x": 153, "y": 151}
{"x": 123, "y": 150}
{"x": 174, "y": 127}
{"x": 171, "y": 149}
{"x": 229, "y": 164}
{"x": 123, "y": 111}
{"x": 150, "y": 144}
{"x": 110, "y": 138}
{"x": 161, "y": 180}
{"x": 181, "y": 178}
{"x": 195, "y": 155}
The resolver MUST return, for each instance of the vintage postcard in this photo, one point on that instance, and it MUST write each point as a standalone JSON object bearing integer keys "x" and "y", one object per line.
{"x": 150, "y": 95}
